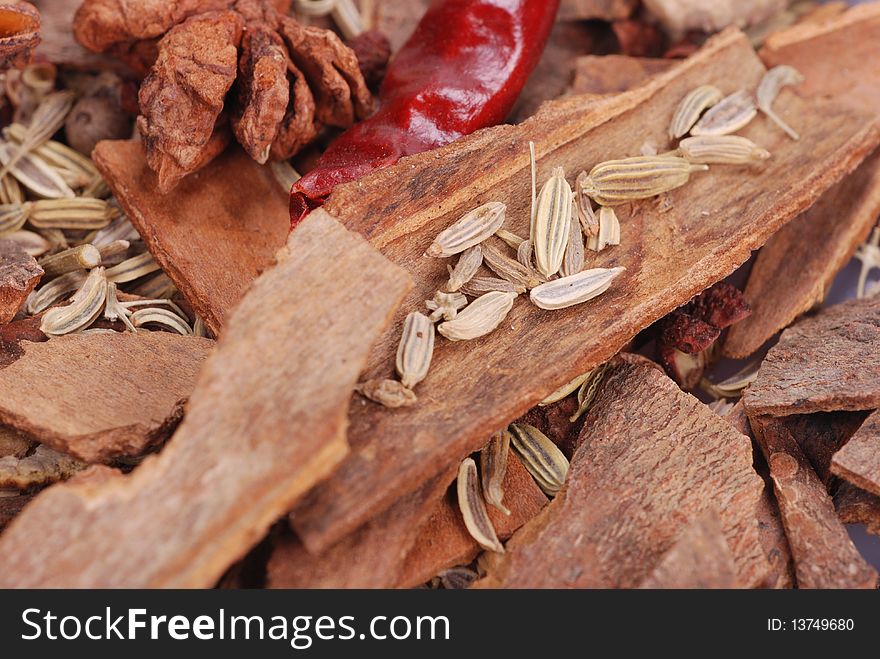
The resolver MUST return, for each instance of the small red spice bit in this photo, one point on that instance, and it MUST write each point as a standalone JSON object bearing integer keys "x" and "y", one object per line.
{"x": 722, "y": 305}
{"x": 687, "y": 333}
{"x": 462, "y": 69}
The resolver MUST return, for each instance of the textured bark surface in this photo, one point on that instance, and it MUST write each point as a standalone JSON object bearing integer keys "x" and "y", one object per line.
{"x": 825, "y": 363}
{"x": 859, "y": 460}
{"x": 444, "y": 542}
{"x": 824, "y": 555}
{"x": 795, "y": 269}
{"x": 19, "y": 274}
{"x": 855, "y": 506}
{"x": 771, "y": 533}
{"x": 709, "y": 230}
{"x": 652, "y": 459}
{"x": 700, "y": 558}
{"x": 100, "y": 397}
{"x": 214, "y": 233}
{"x": 371, "y": 557}
{"x": 611, "y": 74}
{"x": 262, "y": 427}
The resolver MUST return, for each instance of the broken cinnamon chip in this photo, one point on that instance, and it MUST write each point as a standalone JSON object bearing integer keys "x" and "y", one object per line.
{"x": 855, "y": 506}
{"x": 444, "y": 542}
{"x": 667, "y": 262}
{"x": 235, "y": 211}
{"x": 859, "y": 459}
{"x": 771, "y": 533}
{"x": 19, "y": 274}
{"x": 99, "y": 397}
{"x": 19, "y": 33}
{"x": 634, "y": 482}
{"x": 14, "y": 334}
{"x": 13, "y": 443}
{"x": 700, "y": 558}
{"x": 794, "y": 270}
{"x": 43, "y": 467}
{"x": 825, "y": 363}
{"x": 254, "y": 442}
{"x": 824, "y": 555}
{"x": 371, "y": 557}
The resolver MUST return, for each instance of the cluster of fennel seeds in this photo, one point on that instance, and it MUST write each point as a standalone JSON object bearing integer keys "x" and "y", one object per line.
{"x": 57, "y": 207}
{"x": 549, "y": 264}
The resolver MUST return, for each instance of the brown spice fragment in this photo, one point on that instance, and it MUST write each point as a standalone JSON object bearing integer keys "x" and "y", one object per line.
{"x": 795, "y": 269}
{"x": 256, "y": 442}
{"x": 19, "y": 33}
{"x": 19, "y": 274}
{"x": 771, "y": 533}
{"x": 43, "y": 467}
{"x": 234, "y": 210}
{"x": 373, "y": 50}
{"x": 828, "y": 362}
{"x": 639, "y": 38}
{"x": 184, "y": 94}
{"x": 611, "y": 74}
{"x": 721, "y": 305}
{"x": 13, "y": 334}
{"x": 605, "y": 10}
{"x": 855, "y": 506}
{"x": 661, "y": 274}
{"x": 444, "y": 542}
{"x": 10, "y": 507}
{"x": 700, "y": 558}
{"x": 634, "y": 482}
{"x": 13, "y": 443}
{"x": 99, "y": 397}
{"x": 859, "y": 459}
{"x": 263, "y": 92}
{"x": 824, "y": 555}
{"x": 371, "y": 557}
{"x": 687, "y": 333}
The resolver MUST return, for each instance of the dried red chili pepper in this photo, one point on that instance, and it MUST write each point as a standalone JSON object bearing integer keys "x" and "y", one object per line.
{"x": 462, "y": 69}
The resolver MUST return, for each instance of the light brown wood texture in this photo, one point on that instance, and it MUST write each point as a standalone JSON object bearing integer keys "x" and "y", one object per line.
{"x": 855, "y": 506}
{"x": 795, "y": 269}
{"x": 859, "y": 459}
{"x": 213, "y": 234}
{"x": 711, "y": 228}
{"x": 102, "y": 396}
{"x": 14, "y": 443}
{"x": 612, "y": 74}
{"x": 19, "y": 274}
{"x": 652, "y": 458}
{"x": 266, "y": 422}
{"x": 371, "y": 557}
{"x": 700, "y": 558}
{"x": 824, "y": 555}
{"x": 825, "y": 363}
{"x": 771, "y": 533}
{"x": 444, "y": 542}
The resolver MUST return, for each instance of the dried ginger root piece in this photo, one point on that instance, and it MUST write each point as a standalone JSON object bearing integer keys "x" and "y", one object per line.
{"x": 332, "y": 70}
{"x": 183, "y": 96}
{"x": 263, "y": 92}
{"x": 100, "y": 24}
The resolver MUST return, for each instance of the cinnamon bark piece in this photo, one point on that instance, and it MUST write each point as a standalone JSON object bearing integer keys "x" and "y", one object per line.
{"x": 612, "y": 74}
{"x": 19, "y": 274}
{"x": 859, "y": 459}
{"x": 824, "y": 555}
{"x": 855, "y": 506}
{"x": 15, "y": 334}
{"x": 669, "y": 257}
{"x": 825, "y": 363}
{"x": 265, "y": 423}
{"x": 371, "y": 557}
{"x": 771, "y": 533}
{"x": 444, "y": 542}
{"x": 99, "y": 397}
{"x": 185, "y": 92}
{"x": 13, "y": 443}
{"x": 213, "y": 234}
{"x": 652, "y": 457}
{"x": 795, "y": 269}
{"x": 700, "y": 558}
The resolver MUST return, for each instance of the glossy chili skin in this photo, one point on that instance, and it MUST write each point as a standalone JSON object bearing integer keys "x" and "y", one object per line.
{"x": 462, "y": 69}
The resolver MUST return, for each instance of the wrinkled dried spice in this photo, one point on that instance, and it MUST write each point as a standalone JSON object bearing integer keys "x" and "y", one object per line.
{"x": 687, "y": 333}
{"x": 722, "y": 305}
{"x": 373, "y": 51}
{"x": 19, "y": 34}
{"x": 292, "y": 79}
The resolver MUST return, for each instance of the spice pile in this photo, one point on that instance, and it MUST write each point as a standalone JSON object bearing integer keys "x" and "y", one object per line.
{"x": 596, "y": 434}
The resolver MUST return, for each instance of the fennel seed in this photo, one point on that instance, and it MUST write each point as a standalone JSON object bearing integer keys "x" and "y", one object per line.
{"x": 415, "y": 349}
{"x": 473, "y": 507}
